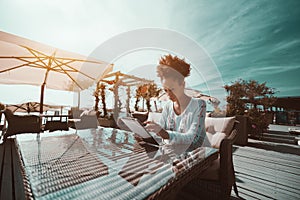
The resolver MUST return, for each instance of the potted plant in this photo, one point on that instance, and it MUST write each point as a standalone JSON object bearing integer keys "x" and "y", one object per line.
{"x": 147, "y": 91}
{"x": 243, "y": 100}
{"x": 138, "y": 94}
{"x": 104, "y": 118}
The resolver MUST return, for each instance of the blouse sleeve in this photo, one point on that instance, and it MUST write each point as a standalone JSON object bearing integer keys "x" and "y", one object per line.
{"x": 196, "y": 134}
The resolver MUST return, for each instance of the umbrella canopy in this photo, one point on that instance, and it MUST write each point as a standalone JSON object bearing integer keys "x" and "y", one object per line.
{"x": 24, "y": 61}
{"x": 29, "y": 107}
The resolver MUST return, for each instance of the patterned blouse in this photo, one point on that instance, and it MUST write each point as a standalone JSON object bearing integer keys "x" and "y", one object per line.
{"x": 188, "y": 128}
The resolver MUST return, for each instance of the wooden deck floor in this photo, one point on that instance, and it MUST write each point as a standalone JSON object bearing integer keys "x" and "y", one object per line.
{"x": 261, "y": 173}
{"x": 264, "y": 173}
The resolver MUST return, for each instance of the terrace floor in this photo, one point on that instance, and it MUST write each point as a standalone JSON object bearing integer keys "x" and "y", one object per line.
{"x": 264, "y": 170}
{"x": 267, "y": 170}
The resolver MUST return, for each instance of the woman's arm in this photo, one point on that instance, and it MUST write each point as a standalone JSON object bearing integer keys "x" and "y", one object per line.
{"x": 196, "y": 132}
{"x": 159, "y": 128}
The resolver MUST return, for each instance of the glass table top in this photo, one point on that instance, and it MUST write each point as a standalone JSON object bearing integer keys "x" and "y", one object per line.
{"x": 104, "y": 162}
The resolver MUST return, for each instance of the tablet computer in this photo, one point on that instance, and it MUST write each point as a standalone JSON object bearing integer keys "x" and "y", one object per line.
{"x": 137, "y": 127}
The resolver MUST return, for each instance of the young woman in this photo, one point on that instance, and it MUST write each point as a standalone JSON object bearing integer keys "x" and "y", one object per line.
{"x": 183, "y": 117}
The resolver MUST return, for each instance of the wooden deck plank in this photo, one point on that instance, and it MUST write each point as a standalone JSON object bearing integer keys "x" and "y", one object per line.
{"x": 267, "y": 159}
{"x": 272, "y": 181}
{"x": 270, "y": 159}
{"x": 255, "y": 145}
{"x": 272, "y": 166}
{"x": 286, "y": 178}
{"x": 249, "y": 194}
{"x": 266, "y": 174}
{"x": 291, "y": 149}
{"x": 254, "y": 187}
{"x": 269, "y": 190}
{"x": 6, "y": 178}
{"x": 271, "y": 155}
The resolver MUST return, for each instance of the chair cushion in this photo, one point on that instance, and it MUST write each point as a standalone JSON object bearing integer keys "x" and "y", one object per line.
{"x": 215, "y": 139}
{"x": 217, "y": 129}
{"x": 222, "y": 124}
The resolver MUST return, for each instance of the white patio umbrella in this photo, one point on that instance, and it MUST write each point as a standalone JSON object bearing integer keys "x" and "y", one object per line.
{"x": 24, "y": 61}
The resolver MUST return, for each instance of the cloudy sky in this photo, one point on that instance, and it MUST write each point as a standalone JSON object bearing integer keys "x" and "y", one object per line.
{"x": 258, "y": 39}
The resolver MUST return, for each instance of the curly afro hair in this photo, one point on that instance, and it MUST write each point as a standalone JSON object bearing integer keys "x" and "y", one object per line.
{"x": 169, "y": 64}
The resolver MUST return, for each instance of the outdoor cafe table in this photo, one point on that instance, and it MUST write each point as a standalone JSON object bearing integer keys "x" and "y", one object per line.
{"x": 105, "y": 163}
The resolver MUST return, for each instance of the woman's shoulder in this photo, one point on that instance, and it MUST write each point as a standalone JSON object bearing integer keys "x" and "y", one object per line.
{"x": 198, "y": 101}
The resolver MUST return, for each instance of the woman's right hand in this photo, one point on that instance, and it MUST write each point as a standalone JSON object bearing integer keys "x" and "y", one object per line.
{"x": 154, "y": 127}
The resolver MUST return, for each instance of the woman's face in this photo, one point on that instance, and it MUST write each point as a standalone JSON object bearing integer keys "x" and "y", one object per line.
{"x": 173, "y": 88}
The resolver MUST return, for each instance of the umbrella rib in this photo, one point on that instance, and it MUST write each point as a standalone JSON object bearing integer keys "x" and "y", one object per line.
{"x": 59, "y": 65}
{"x": 16, "y": 67}
{"x": 21, "y": 57}
{"x": 33, "y": 53}
{"x": 61, "y": 58}
{"x": 72, "y": 59}
{"x": 59, "y": 61}
{"x": 80, "y": 60}
{"x": 33, "y": 62}
{"x": 33, "y": 50}
{"x": 75, "y": 70}
{"x": 19, "y": 66}
{"x": 60, "y": 68}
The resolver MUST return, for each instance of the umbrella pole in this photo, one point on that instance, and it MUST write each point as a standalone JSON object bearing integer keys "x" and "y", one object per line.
{"x": 78, "y": 99}
{"x": 27, "y": 109}
{"x": 42, "y": 97}
{"x": 43, "y": 89}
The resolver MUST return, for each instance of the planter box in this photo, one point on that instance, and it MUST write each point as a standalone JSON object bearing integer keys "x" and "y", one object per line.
{"x": 242, "y": 130}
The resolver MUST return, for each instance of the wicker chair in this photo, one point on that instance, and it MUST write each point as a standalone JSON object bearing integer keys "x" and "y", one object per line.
{"x": 21, "y": 124}
{"x": 87, "y": 121}
{"x": 56, "y": 126}
{"x": 216, "y": 182}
